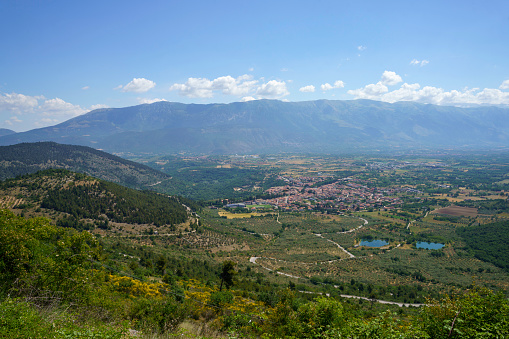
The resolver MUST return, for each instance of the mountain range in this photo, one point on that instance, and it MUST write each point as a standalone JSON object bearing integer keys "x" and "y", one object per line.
{"x": 272, "y": 126}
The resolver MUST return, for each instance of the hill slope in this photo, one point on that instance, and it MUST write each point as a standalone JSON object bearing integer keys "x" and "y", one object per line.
{"x": 273, "y": 126}
{"x": 5, "y": 131}
{"x": 32, "y": 157}
{"x": 74, "y": 200}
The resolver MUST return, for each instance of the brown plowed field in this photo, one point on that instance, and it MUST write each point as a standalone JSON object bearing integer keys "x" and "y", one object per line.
{"x": 457, "y": 211}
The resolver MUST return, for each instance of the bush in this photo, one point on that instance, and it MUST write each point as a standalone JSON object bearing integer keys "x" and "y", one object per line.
{"x": 19, "y": 320}
{"x": 158, "y": 315}
{"x": 478, "y": 313}
{"x": 220, "y": 299}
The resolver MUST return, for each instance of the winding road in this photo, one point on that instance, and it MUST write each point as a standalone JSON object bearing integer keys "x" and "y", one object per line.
{"x": 350, "y": 256}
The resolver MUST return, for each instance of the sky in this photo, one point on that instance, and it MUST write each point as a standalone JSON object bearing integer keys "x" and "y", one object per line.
{"x": 60, "y": 59}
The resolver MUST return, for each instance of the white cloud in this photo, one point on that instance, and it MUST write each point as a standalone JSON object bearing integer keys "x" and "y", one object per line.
{"x": 431, "y": 95}
{"x": 419, "y": 63}
{"x": 37, "y": 111}
{"x": 284, "y": 69}
{"x": 17, "y": 103}
{"x": 272, "y": 90}
{"x": 85, "y": 88}
{"x": 251, "y": 69}
{"x": 98, "y": 106}
{"x": 58, "y": 107}
{"x": 243, "y": 85}
{"x": 204, "y": 88}
{"x": 371, "y": 91}
{"x": 307, "y": 89}
{"x": 149, "y": 101}
{"x": 194, "y": 88}
{"x": 138, "y": 85}
{"x": 361, "y": 48}
{"x": 245, "y": 99}
{"x": 23, "y": 104}
{"x": 230, "y": 86}
{"x": 12, "y": 120}
{"x": 337, "y": 84}
{"x": 504, "y": 85}
{"x": 390, "y": 78}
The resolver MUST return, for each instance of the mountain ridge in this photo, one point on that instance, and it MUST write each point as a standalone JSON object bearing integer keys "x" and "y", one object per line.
{"x": 27, "y": 158}
{"x": 272, "y": 126}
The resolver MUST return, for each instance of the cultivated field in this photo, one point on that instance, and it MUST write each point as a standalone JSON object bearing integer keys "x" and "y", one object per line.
{"x": 457, "y": 211}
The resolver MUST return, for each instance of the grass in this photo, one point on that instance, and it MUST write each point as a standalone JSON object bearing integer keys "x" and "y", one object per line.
{"x": 21, "y": 319}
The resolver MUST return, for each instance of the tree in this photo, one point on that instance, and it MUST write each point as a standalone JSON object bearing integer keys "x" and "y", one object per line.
{"x": 227, "y": 274}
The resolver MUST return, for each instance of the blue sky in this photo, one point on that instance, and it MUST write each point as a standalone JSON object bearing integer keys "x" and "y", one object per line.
{"x": 60, "y": 59}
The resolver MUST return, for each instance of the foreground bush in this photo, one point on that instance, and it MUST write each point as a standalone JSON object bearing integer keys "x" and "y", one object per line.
{"x": 479, "y": 313}
{"x": 20, "y": 319}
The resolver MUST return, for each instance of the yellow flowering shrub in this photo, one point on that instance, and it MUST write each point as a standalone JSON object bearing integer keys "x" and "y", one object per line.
{"x": 201, "y": 294}
{"x": 136, "y": 288}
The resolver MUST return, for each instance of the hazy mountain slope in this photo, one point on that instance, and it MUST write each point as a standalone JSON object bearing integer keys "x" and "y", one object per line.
{"x": 31, "y": 157}
{"x": 5, "y": 131}
{"x": 275, "y": 126}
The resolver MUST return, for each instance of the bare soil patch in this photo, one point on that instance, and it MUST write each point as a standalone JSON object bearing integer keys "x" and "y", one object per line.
{"x": 457, "y": 211}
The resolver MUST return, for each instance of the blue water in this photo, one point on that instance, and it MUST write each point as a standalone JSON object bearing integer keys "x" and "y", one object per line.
{"x": 374, "y": 243}
{"x": 429, "y": 245}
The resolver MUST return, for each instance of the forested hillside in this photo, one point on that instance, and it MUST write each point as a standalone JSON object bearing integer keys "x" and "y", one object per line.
{"x": 86, "y": 202}
{"x": 489, "y": 242}
{"x": 32, "y": 157}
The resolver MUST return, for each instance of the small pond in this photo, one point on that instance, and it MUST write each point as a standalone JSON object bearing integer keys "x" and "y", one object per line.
{"x": 429, "y": 245}
{"x": 373, "y": 243}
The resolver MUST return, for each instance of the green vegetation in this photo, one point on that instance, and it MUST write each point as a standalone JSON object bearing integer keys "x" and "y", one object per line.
{"x": 147, "y": 263}
{"x": 488, "y": 242}
{"x": 87, "y": 202}
{"x": 118, "y": 203}
{"x": 57, "y": 270}
{"x": 27, "y": 158}
{"x": 207, "y": 179}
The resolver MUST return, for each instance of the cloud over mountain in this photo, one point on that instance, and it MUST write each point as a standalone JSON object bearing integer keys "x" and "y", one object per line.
{"x": 328, "y": 87}
{"x": 139, "y": 85}
{"x": 41, "y": 111}
{"x": 307, "y": 89}
{"x": 429, "y": 94}
{"x": 273, "y": 90}
{"x": 243, "y": 85}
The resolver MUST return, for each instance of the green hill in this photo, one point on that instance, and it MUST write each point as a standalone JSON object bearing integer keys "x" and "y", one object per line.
{"x": 32, "y": 157}
{"x": 83, "y": 202}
